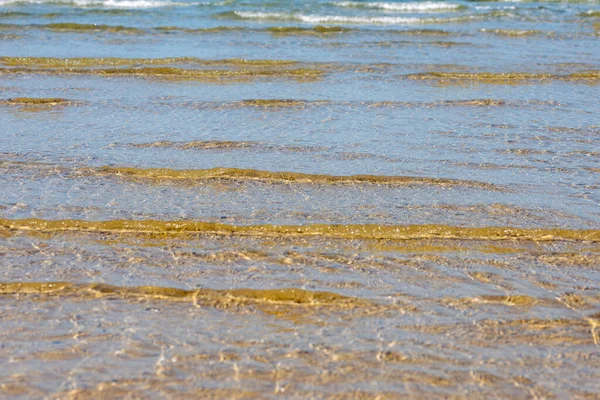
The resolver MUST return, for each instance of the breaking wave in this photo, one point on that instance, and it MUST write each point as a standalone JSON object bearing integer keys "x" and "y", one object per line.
{"x": 406, "y": 7}
{"x": 101, "y": 3}
{"x": 341, "y": 19}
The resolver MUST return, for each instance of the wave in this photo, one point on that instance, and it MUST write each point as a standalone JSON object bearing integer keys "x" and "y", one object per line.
{"x": 100, "y": 3}
{"x": 514, "y": 32}
{"x": 536, "y": 1}
{"x": 341, "y": 19}
{"x": 495, "y": 7}
{"x": 590, "y": 13}
{"x": 316, "y": 30}
{"x": 407, "y": 7}
{"x": 155, "y": 228}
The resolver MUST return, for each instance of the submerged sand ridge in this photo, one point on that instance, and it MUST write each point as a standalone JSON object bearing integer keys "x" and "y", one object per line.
{"x": 168, "y": 228}
{"x": 35, "y": 101}
{"x": 507, "y": 78}
{"x": 38, "y": 103}
{"x": 199, "y": 296}
{"x": 227, "y": 145}
{"x": 90, "y": 62}
{"x": 174, "y": 73}
{"x": 191, "y": 68}
{"x": 198, "y": 176}
{"x": 171, "y": 175}
{"x": 183, "y": 68}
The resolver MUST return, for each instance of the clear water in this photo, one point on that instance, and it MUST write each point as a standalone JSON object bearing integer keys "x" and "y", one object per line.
{"x": 475, "y": 123}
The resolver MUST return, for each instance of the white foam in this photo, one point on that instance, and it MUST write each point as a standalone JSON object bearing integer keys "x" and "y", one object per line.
{"x": 343, "y": 19}
{"x": 495, "y": 8}
{"x": 101, "y": 3}
{"x": 139, "y": 3}
{"x": 422, "y": 6}
{"x": 549, "y": 1}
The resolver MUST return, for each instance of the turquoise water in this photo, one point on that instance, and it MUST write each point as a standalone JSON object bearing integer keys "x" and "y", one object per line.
{"x": 440, "y": 184}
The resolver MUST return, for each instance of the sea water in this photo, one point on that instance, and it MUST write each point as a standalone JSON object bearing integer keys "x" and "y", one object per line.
{"x": 323, "y": 199}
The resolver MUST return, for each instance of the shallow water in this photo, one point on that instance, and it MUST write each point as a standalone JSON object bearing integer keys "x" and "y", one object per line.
{"x": 324, "y": 199}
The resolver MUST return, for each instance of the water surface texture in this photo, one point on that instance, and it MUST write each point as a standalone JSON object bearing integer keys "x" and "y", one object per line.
{"x": 299, "y": 199}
